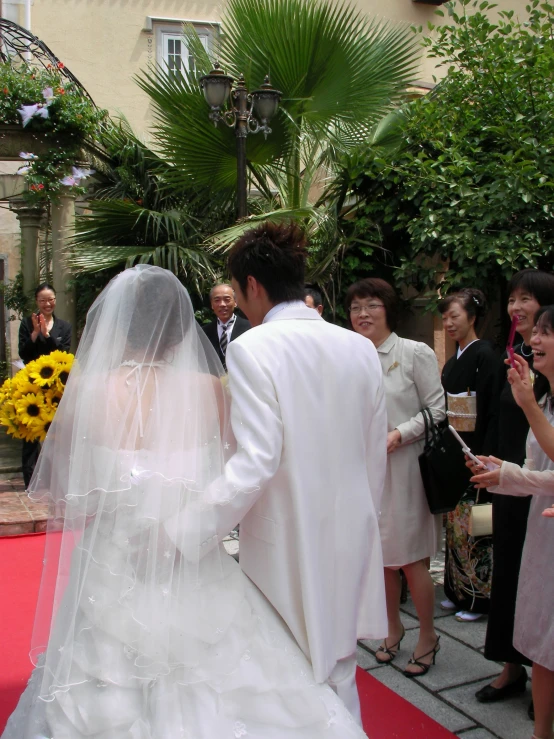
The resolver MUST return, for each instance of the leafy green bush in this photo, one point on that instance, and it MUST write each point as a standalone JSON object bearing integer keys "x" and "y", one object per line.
{"x": 468, "y": 198}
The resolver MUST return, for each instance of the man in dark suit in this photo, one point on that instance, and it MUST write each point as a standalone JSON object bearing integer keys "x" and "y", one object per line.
{"x": 227, "y": 325}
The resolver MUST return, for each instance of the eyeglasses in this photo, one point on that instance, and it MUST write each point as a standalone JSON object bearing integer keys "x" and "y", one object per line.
{"x": 43, "y": 301}
{"x": 356, "y": 309}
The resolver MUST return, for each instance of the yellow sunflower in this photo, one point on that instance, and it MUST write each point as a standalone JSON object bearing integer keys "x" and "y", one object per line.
{"x": 43, "y": 370}
{"x": 52, "y": 397}
{"x": 22, "y": 376}
{"x": 60, "y": 357}
{"x": 23, "y": 388}
{"x": 5, "y": 391}
{"x": 63, "y": 374}
{"x": 42, "y": 424}
{"x": 12, "y": 427}
{"x": 28, "y": 408}
{"x": 31, "y": 432}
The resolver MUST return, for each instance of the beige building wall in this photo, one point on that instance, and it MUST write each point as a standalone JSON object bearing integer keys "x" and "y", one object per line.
{"x": 106, "y": 42}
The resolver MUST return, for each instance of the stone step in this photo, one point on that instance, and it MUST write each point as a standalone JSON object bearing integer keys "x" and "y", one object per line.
{"x": 18, "y": 514}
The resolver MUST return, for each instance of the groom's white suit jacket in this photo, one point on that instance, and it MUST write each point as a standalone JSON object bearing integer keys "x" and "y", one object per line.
{"x": 308, "y": 413}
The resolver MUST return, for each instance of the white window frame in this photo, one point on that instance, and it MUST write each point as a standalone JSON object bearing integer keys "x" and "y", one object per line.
{"x": 166, "y": 33}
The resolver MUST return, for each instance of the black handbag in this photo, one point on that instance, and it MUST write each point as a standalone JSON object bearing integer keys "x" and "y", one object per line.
{"x": 442, "y": 465}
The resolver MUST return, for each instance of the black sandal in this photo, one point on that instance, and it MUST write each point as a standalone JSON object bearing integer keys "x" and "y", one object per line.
{"x": 424, "y": 667}
{"x": 388, "y": 650}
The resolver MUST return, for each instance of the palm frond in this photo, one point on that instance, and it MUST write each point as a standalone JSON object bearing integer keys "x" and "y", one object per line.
{"x": 332, "y": 64}
{"x": 195, "y": 266}
{"x": 119, "y": 222}
{"x": 339, "y": 73}
{"x": 224, "y": 240}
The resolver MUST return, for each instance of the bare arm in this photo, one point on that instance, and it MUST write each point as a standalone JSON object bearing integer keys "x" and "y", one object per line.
{"x": 257, "y": 427}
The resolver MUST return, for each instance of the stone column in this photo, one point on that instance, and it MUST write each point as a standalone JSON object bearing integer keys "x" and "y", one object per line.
{"x": 30, "y": 217}
{"x": 63, "y": 227}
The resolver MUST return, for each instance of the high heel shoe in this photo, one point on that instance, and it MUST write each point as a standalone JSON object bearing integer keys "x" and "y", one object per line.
{"x": 419, "y": 663}
{"x": 388, "y": 650}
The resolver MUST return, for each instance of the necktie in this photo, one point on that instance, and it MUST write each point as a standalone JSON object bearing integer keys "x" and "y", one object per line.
{"x": 224, "y": 340}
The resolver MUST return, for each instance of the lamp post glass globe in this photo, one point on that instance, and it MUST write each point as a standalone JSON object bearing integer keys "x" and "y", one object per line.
{"x": 266, "y": 101}
{"x": 216, "y": 86}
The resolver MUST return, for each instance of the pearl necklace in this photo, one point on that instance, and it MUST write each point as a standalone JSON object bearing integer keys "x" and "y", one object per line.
{"x": 523, "y": 353}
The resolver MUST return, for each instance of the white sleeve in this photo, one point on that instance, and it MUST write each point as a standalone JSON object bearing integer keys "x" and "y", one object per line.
{"x": 377, "y": 446}
{"x": 430, "y": 391}
{"x": 516, "y": 480}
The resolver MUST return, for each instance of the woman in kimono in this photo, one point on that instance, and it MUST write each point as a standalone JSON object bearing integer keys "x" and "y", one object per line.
{"x": 409, "y": 531}
{"x": 470, "y": 382}
{"x": 534, "y": 625}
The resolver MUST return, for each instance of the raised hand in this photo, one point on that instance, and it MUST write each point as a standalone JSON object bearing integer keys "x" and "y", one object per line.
{"x": 36, "y": 326}
{"x": 43, "y": 326}
{"x": 522, "y": 383}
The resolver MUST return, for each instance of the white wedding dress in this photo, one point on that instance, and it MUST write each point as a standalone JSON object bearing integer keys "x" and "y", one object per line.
{"x": 244, "y": 675}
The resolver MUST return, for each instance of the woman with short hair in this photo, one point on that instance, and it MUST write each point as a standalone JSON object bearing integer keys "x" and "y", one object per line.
{"x": 409, "y": 532}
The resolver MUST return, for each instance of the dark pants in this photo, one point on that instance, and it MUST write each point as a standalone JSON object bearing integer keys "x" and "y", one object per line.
{"x": 29, "y": 457}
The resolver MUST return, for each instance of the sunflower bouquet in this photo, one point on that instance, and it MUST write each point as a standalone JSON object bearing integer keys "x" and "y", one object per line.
{"x": 28, "y": 401}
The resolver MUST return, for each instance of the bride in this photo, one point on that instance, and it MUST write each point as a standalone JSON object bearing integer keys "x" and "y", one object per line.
{"x": 140, "y": 633}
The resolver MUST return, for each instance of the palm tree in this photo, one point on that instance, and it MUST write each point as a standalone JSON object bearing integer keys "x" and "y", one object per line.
{"x": 340, "y": 74}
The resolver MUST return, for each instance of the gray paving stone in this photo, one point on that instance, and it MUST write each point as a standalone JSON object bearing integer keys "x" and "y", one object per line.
{"x": 456, "y": 663}
{"x": 476, "y": 734}
{"x": 472, "y": 633}
{"x": 366, "y": 660}
{"x": 505, "y": 719}
{"x": 423, "y": 699}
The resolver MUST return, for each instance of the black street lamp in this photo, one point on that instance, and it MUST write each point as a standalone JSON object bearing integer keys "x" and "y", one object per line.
{"x": 240, "y": 116}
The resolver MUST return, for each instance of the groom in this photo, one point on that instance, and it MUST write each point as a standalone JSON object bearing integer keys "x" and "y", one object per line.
{"x": 308, "y": 414}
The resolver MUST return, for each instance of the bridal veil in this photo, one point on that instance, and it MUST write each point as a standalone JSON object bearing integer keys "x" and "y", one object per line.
{"x": 139, "y": 434}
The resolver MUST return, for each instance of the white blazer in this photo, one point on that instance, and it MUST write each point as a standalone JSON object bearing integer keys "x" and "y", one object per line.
{"x": 308, "y": 413}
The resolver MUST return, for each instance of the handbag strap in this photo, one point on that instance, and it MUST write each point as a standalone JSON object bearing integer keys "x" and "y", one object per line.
{"x": 431, "y": 430}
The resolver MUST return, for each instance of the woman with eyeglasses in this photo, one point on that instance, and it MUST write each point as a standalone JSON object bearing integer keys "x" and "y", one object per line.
{"x": 470, "y": 381}
{"x": 409, "y": 532}
{"x": 39, "y": 334}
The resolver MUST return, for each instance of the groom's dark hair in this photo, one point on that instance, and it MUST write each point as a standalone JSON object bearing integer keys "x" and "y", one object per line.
{"x": 275, "y": 255}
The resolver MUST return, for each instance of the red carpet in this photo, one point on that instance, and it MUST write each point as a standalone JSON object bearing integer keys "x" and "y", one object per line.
{"x": 386, "y": 715}
{"x": 20, "y": 571}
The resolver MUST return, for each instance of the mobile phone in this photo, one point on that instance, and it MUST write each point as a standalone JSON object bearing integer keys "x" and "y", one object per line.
{"x": 510, "y": 344}
{"x": 466, "y": 449}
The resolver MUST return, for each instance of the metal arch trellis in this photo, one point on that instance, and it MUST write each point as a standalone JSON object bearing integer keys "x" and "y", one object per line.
{"x": 19, "y": 45}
